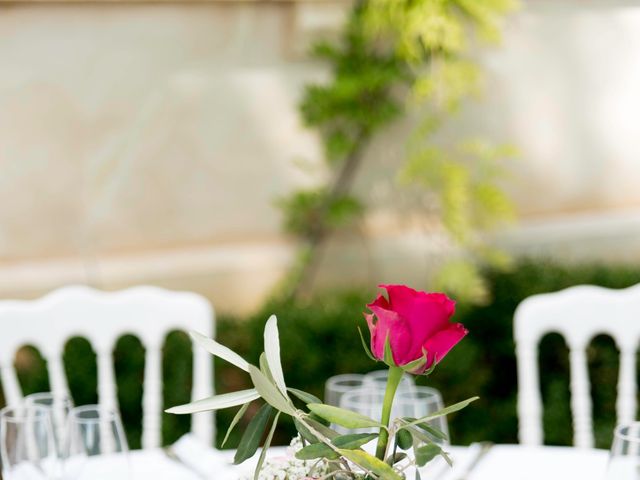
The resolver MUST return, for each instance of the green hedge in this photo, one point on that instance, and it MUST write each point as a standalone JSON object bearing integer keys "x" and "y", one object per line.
{"x": 320, "y": 339}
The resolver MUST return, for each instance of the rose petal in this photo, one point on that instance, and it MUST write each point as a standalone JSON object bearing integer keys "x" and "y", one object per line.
{"x": 372, "y": 331}
{"x": 392, "y": 325}
{"x": 403, "y": 299}
{"x": 426, "y": 313}
{"x": 442, "y": 342}
{"x": 400, "y": 296}
{"x": 380, "y": 301}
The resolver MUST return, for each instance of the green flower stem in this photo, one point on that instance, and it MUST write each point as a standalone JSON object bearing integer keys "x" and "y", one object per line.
{"x": 395, "y": 375}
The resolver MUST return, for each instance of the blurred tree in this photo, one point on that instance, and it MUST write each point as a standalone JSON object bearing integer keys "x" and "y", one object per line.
{"x": 394, "y": 55}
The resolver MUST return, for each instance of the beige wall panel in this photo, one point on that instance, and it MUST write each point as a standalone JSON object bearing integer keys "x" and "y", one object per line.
{"x": 146, "y": 143}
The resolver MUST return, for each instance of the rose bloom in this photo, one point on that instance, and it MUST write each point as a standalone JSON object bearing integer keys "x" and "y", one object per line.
{"x": 415, "y": 322}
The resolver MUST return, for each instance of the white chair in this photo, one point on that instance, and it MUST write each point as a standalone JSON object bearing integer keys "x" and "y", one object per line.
{"x": 578, "y": 314}
{"x": 149, "y": 313}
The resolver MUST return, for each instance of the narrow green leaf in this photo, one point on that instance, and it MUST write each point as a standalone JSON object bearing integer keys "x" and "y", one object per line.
{"x": 304, "y": 396}
{"x": 426, "y": 453}
{"x": 321, "y": 420}
{"x": 351, "y": 441}
{"x": 395, "y": 458}
{"x": 436, "y": 433}
{"x": 235, "y": 421}
{"x": 303, "y": 428}
{"x": 321, "y": 427}
{"x": 264, "y": 367}
{"x": 418, "y": 435}
{"x": 317, "y": 450}
{"x": 304, "y": 431}
{"x": 367, "y": 350}
{"x": 214, "y": 348}
{"x": 445, "y": 411}
{"x": 348, "y": 442}
{"x": 343, "y": 417}
{"x": 371, "y": 464}
{"x": 388, "y": 354}
{"x": 217, "y": 402}
{"x": 252, "y": 435}
{"x": 403, "y": 439}
{"x": 272, "y": 351}
{"x": 418, "y": 477}
{"x": 430, "y": 370}
{"x": 432, "y": 430}
{"x": 446, "y": 457}
{"x": 269, "y": 391}
{"x": 433, "y": 365}
{"x": 415, "y": 365}
{"x": 265, "y": 447}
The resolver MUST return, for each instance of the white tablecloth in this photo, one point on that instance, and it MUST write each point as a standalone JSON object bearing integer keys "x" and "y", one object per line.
{"x": 515, "y": 462}
{"x": 503, "y": 462}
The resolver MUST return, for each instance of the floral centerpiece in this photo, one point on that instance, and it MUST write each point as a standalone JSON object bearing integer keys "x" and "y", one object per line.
{"x": 410, "y": 331}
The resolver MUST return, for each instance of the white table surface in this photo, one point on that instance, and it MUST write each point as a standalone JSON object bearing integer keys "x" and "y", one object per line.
{"x": 503, "y": 462}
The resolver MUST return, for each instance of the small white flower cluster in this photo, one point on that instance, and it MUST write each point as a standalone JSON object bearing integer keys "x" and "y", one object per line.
{"x": 288, "y": 467}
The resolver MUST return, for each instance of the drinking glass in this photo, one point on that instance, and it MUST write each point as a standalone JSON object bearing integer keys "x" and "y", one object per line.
{"x": 59, "y": 406}
{"x": 338, "y": 385}
{"x": 420, "y": 402}
{"x": 624, "y": 460}
{"x": 27, "y": 445}
{"x": 416, "y": 402}
{"x": 378, "y": 379}
{"x": 96, "y": 445}
{"x": 366, "y": 400}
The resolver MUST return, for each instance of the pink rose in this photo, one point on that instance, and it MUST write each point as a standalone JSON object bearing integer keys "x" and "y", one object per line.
{"x": 417, "y": 324}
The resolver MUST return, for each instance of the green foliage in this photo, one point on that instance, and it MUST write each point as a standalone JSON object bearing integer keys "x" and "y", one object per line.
{"x": 343, "y": 417}
{"x": 346, "y": 112}
{"x": 129, "y": 367}
{"x": 358, "y": 100}
{"x": 462, "y": 278}
{"x": 177, "y": 371}
{"x": 320, "y": 450}
{"x": 306, "y": 209}
{"x": 422, "y": 29}
{"x": 463, "y": 181}
{"x": 29, "y": 360}
{"x": 394, "y": 56}
{"x": 252, "y": 434}
{"x": 427, "y": 453}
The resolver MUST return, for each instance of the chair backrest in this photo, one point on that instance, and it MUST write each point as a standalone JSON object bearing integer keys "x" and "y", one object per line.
{"x": 578, "y": 314}
{"x": 149, "y": 313}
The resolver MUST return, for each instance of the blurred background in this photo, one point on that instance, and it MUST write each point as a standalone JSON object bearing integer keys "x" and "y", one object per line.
{"x": 287, "y": 156}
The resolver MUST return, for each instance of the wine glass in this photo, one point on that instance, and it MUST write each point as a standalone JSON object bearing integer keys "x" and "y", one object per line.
{"x": 59, "y": 406}
{"x": 415, "y": 402}
{"x": 338, "y": 385}
{"x": 27, "y": 444}
{"x": 378, "y": 379}
{"x": 624, "y": 460}
{"x": 420, "y": 402}
{"x": 96, "y": 447}
{"x": 366, "y": 400}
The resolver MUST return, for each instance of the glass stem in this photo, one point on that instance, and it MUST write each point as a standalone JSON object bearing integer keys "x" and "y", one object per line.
{"x": 395, "y": 375}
